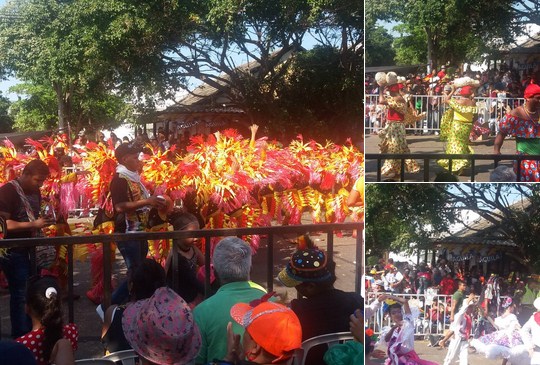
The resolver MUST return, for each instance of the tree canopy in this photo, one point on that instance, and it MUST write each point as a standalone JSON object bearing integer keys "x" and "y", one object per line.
{"x": 452, "y": 31}
{"x": 143, "y": 50}
{"x": 398, "y": 215}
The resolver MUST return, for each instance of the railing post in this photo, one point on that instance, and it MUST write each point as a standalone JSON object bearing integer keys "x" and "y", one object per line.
{"x": 426, "y": 169}
{"x": 107, "y": 273}
{"x": 379, "y": 167}
{"x": 359, "y": 261}
{"x": 270, "y": 262}
{"x": 71, "y": 310}
{"x": 175, "y": 270}
{"x": 473, "y": 166}
{"x": 207, "y": 259}
{"x": 330, "y": 243}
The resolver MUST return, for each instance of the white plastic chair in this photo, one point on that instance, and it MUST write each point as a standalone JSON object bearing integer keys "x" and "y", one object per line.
{"x": 94, "y": 362}
{"x": 330, "y": 340}
{"x": 126, "y": 357}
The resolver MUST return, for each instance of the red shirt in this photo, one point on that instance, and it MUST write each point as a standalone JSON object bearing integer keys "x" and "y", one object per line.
{"x": 393, "y": 115}
{"x": 33, "y": 340}
{"x": 447, "y": 286}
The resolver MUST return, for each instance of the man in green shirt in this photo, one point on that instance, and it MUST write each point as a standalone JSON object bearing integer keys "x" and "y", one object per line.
{"x": 457, "y": 301}
{"x": 232, "y": 264}
{"x": 527, "y": 300}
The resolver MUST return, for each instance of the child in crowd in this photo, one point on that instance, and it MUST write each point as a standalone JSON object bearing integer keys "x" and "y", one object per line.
{"x": 272, "y": 334}
{"x": 143, "y": 281}
{"x": 50, "y": 340}
{"x": 190, "y": 258}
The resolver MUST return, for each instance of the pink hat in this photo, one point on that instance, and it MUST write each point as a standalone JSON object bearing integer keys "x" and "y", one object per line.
{"x": 162, "y": 329}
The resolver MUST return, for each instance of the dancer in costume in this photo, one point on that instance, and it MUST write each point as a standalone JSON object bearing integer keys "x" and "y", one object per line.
{"x": 457, "y": 123}
{"x": 400, "y": 336}
{"x": 506, "y": 340}
{"x": 530, "y": 333}
{"x": 462, "y": 327}
{"x": 400, "y": 113}
{"x": 523, "y": 123}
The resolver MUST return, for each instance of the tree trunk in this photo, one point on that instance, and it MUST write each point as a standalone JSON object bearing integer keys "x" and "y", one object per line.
{"x": 61, "y": 107}
{"x": 429, "y": 50}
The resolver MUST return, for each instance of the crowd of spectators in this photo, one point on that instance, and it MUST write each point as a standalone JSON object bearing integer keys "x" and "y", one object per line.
{"x": 503, "y": 87}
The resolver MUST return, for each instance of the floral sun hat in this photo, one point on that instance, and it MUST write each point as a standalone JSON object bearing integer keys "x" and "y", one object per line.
{"x": 162, "y": 329}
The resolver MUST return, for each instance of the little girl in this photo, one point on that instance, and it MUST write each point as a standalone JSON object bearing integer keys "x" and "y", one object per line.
{"x": 50, "y": 340}
{"x": 190, "y": 258}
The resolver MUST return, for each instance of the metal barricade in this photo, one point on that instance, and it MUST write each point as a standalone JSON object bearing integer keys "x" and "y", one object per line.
{"x": 433, "y": 318}
{"x": 427, "y": 157}
{"x": 490, "y": 112}
{"x": 271, "y": 234}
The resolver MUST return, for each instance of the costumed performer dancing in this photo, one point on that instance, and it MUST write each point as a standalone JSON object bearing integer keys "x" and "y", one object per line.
{"x": 400, "y": 336}
{"x": 523, "y": 123}
{"x": 457, "y": 123}
{"x": 530, "y": 333}
{"x": 506, "y": 342}
{"x": 461, "y": 327}
{"x": 400, "y": 113}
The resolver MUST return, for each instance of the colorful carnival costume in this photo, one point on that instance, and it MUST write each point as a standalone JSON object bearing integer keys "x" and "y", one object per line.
{"x": 530, "y": 333}
{"x": 401, "y": 344}
{"x": 504, "y": 342}
{"x": 392, "y": 136}
{"x": 456, "y": 127}
{"x": 527, "y": 133}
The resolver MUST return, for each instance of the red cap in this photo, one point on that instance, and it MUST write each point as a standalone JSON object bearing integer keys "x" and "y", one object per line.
{"x": 273, "y": 326}
{"x": 466, "y": 90}
{"x": 531, "y": 91}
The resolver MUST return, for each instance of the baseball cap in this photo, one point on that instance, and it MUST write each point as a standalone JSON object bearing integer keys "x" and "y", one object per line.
{"x": 126, "y": 149}
{"x": 306, "y": 265}
{"x": 162, "y": 328}
{"x": 273, "y": 326}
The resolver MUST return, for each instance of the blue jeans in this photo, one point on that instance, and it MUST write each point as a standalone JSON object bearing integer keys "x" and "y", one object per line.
{"x": 16, "y": 267}
{"x": 133, "y": 252}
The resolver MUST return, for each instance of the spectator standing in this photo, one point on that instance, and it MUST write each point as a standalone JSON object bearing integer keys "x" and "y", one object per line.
{"x": 457, "y": 301}
{"x": 20, "y": 202}
{"x": 447, "y": 285}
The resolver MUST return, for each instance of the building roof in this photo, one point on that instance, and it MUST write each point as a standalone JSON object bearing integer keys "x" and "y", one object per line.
{"x": 482, "y": 231}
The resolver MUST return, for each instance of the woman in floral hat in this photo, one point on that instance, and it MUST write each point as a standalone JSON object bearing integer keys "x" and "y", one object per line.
{"x": 457, "y": 123}
{"x": 392, "y": 137}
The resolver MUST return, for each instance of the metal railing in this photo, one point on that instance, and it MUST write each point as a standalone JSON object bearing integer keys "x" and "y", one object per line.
{"x": 490, "y": 111}
{"x": 433, "y": 319}
{"x": 269, "y": 232}
{"x": 427, "y": 157}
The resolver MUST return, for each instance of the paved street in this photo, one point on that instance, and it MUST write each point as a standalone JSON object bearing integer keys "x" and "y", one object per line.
{"x": 437, "y": 355}
{"x": 432, "y": 144}
{"x": 90, "y": 324}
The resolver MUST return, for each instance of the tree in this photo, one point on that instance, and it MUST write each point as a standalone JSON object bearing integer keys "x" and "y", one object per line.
{"x": 37, "y": 110}
{"x": 379, "y": 51}
{"x": 400, "y": 214}
{"x": 317, "y": 94}
{"x": 6, "y": 121}
{"x": 452, "y": 31}
{"x": 90, "y": 47}
{"x": 246, "y": 49}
